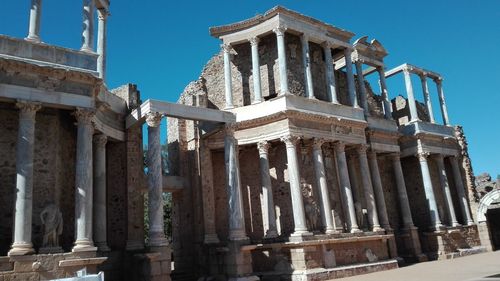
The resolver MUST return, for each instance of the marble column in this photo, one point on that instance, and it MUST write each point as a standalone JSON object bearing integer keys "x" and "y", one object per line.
{"x": 351, "y": 87}
{"x": 411, "y": 97}
{"x": 280, "y": 37}
{"x": 235, "y": 197}
{"x": 371, "y": 205}
{"x": 324, "y": 198}
{"x": 306, "y": 62}
{"x": 299, "y": 216}
{"x": 101, "y": 42}
{"x": 99, "y": 158}
{"x": 268, "y": 213}
{"x": 404, "y": 204}
{"x": 345, "y": 187}
{"x": 379, "y": 190}
{"x": 427, "y": 97}
{"x": 84, "y": 181}
{"x": 155, "y": 182}
{"x": 35, "y": 18}
{"x": 22, "y": 244}
{"x": 384, "y": 93}
{"x": 464, "y": 204}
{"x": 429, "y": 192}
{"x": 330, "y": 74}
{"x": 88, "y": 26}
{"x": 228, "y": 83}
{"x": 442, "y": 102}
{"x": 362, "y": 88}
{"x": 445, "y": 187}
{"x": 257, "y": 90}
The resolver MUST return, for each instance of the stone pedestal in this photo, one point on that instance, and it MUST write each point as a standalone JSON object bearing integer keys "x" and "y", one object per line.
{"x": 238, "y": 262}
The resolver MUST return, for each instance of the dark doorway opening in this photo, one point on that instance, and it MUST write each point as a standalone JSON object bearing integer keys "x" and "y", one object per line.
{"x": 493, "y": 218}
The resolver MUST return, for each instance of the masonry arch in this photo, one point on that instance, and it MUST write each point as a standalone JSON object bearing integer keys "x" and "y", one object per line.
{"x": 489, "y": 213}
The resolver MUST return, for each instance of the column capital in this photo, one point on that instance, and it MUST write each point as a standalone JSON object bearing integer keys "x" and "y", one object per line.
{"x": 100, "y": 140}
{"x": 230, "y": 128}
{"x": 84, "y": 115}
{"x": 423, "y": 76}
{"x": 396, "y": 156}
{"x": 304, "y": 37}
{"x": 317, "y": 143}
{"x": 102, "y": 14}
{"x": 438, "y": 79}
{"x": 254, "y": 41}
{"x": 326, "y": 45}
{"x": 153, "y": 119}
{"x": 362, "y": 149}
{"x": 263, "y": 146}
{"x": 280, "y": 30}
{"x": 28, "y": 109}
{"x": 289, "y": 140}
{"x": 226, "y": 47}
{"x": 422, "y": 156}
{"x": 339, "y": 146}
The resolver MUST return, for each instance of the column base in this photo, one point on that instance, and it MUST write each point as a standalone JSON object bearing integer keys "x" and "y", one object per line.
{"x": 211, "y": 239}
{"x": 470, "y": 223}
{"x": 238, "y": 235}
{"x": 102, "y": 247}
{"x": 378, "y": 229}
{"x": 245, "y": 278}
{"x": 87, "y": 49}
{"x": 437, "y": 228}
{"x": 332, "y": 231}
{"x": 455, "y": 224}
{"x": 84, "y": 246}
{"x": 298, "y": 236}
{"x": 356, "y": 230}
{"x": 21, "y": 249}
{"x": 33, "y": 39}
{"x": 158, "y": 242}
{"x": 271, "y": 234}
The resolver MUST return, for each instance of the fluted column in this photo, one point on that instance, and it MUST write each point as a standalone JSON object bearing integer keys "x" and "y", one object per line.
{"x": 362, "y": 88}
{"x": 442, "y": 101}
{"x": 101, "y": 42}
{"x": 84, "y": 181}
{"x": 35, "y": 18}
{"x": 429, "y": 192}
{"x": 88, "y": 26}
{"x": 268, "y": 214}
{"x": 299, "y": 217}
{"x": 155, "y": 182}
{"x": 404, "y": 204}
{"x": 384, "y": 93}
{"x": 445, "y": 187}
{"x": 411, "y": 97}
{"x": 99, "y": 158}
{"x": 371, "y": 206}
{"x": 330, "y": 74}
{"x": 324, "y": 198}
{"x": 306, "y": 61}
{"x": 379, "y": 190}
{"x": 228, "y": 83}
{"x": 345, "y": 187}
{"x": 25, "y": 146}
{"x": 236, "y": 213}
{"x": 427, "y": 97}
{"x": 464, "y": 204}
{"x": 351, "y": 88}
{"x": 257, "y": 90}
{"x": 280, "y": 36}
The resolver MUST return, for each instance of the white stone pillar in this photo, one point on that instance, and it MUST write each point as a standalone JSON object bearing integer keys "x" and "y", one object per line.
{"x": 442, "y": 102}
{"x": 445, "y": 187}
{"x": 100, "y": 226}
{"x": 324, "y": 198}
{"x": 379, "y": 190}
{"x": 362, "y": 88}
{"x": 411, "y": 98}
{"x": 427, "y": 97}
{"x": 371, "y": 205}
{"x": 257, "y": 90}
{"x": 464, "y": 204}
{"x": 35, "y": 18}
{"x": 330, "y": 74}
{"x": 351, "y": 88}
{"x": 345, "y": 187}
{"x": 88, "y": 26}
{"x": 299, "y": 217}
{"x": 268, "y": 213}
{"x": 429, "y": 192}
{"x": 84, "y": 181}
{"x": 235, "y": 198}
{"x": 228, "y": 83}
{"x": 404, "y": 204}
{"x": 22, "y": 244}
{"x": 306, "y": 62}
{"x": 101, "y": 42}
{"x": 155, "y": 182}
{"x": 280, "y": 37}
{"x": 384, "y": 93}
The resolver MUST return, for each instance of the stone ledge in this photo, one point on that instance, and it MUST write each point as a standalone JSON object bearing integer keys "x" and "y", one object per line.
{"x": 82, "y": 262}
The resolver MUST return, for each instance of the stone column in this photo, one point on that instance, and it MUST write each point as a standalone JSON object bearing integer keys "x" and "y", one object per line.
{"x": 88, "y": 26}
{"x": 345, "y": 187}
{"x": 35, "y": 17}
{"x": 362, "y": 88}
{"x": 442, "y": 102}
{"x": 368, "y": 190}
{"x": 379, "y": 190}
{"x": 268, "y": 213}
{"x": 306, "y": 61}
{"x": 22, "y": 244}
{"x": 99, "y": 158}
{"x": 101, "y": 42}
{"x": 411, "y": 98}
{"x": 83, "y": 181}
{"x": 384, "y": 93}
{"x": 427, "y": 97}
{"x": 330, "y": 74}
{"x": 257, "y": 90}
{"x": 464, "y": 204}
{"x": 280, "y": 37}
{"x": 351, "y": 88}
{"x": 155, "y": 182}
{"x": 235, "y": 211}
{"x": 228, "y": 83}
{"x": 299, "y": 217}
{"x": 404, "y": 204}
{"x": 443, "y": 179}
{"x": 324, "y": 198}
{"x": 429, "y": 192}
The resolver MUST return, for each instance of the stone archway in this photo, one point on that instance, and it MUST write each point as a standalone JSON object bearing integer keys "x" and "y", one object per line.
{"x": 488, "y": 214}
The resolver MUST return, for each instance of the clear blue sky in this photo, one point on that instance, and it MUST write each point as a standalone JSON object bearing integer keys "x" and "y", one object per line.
{"x": 163, "y": 45}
